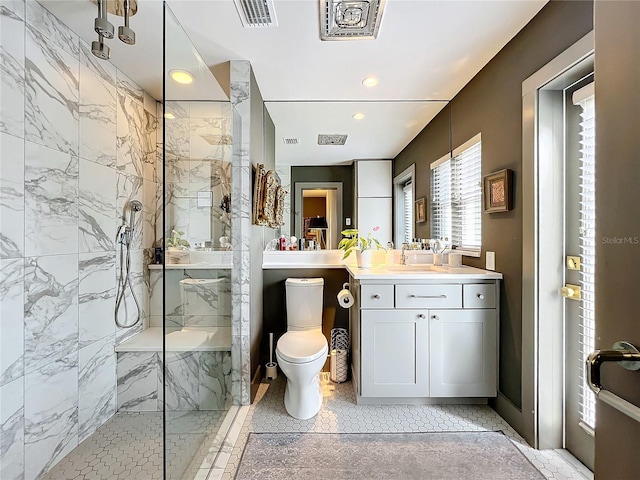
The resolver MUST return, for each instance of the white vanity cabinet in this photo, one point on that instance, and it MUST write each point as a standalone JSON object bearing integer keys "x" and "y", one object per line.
{"x": 435, "y": 339}
{"x": 395, "y": 353}
{"x": 462, "y": 353}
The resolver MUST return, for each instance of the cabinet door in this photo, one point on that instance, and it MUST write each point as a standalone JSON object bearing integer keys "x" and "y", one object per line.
{"x": 463, "y": 353}
{"x": 395, "y": 361}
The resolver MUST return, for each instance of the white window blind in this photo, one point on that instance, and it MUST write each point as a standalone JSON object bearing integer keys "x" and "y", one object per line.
{"x": 587, "y": 251}
{"x": 456, "y": 193}
{"x": 407, "y": 191}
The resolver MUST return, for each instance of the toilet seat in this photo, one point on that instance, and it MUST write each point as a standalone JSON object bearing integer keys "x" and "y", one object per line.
{"x": 302, "y": 346}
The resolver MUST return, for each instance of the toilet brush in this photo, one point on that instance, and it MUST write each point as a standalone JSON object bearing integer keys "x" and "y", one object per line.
{"x": 272, "y": 367}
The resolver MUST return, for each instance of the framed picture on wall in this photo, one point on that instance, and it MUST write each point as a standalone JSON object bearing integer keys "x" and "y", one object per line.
{"x": 496, "y": 191}
{"x": 421, "y": 210}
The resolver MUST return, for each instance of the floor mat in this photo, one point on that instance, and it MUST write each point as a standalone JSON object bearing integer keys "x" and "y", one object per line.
{"x": 389, "y": 456}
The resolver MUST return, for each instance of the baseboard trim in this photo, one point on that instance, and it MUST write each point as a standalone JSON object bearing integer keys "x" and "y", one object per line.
{"x": 509, "y": 412}
{"x": 255, "y": 383}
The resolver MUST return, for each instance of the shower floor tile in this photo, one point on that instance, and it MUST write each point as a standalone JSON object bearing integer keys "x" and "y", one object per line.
{"x": 129, "y": 446}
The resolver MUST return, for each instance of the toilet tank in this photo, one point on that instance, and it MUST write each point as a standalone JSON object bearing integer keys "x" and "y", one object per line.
{"x": 304, "y": 303}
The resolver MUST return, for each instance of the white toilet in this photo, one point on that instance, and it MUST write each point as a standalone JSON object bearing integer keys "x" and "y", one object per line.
{"x": 302, "y": 351}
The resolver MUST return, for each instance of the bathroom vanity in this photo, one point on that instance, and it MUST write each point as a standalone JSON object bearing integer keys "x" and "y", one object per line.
{"x": 424, "y": 334}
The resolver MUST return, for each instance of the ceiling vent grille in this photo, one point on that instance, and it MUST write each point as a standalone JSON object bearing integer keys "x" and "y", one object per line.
{"x": 350, "y": 19}
{"x": 256, "y": 13}
{"x": 291, "y": 141}
{"x": 333, "y": 139}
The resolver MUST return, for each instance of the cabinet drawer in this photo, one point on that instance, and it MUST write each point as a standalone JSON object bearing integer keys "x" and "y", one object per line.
{"x": 479, "y": 295}
{"x": 376, "y": 296}
{"x": 428, "y": 296}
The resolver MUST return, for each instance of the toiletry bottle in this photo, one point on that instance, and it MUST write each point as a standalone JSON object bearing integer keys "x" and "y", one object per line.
{"x": 283, "y": 242}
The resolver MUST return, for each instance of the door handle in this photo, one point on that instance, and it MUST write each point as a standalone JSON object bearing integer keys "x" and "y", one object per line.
{"x": 427, "y": 296}
{"x": 627, "y": 356}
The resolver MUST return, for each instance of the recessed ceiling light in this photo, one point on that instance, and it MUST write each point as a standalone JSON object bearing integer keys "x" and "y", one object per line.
{"x": 169, "y": 115}
{"x": 370, "y": 81}
{"x": 181, "y": 76}
{"x": 358, "y": 116}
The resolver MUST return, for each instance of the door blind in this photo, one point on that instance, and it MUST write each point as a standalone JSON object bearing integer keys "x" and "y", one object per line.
{"x": 587, "y": 253}
{"x": 456, "y": 199}
{"x": 407, "y": 191}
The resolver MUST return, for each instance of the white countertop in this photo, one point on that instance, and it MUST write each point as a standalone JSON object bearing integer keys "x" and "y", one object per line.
{"x": 422, "y": 269}
{"x": 421, "y": 272}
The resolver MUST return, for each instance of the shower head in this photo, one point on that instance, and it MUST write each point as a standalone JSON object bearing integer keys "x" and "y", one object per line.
{"x": 126, "y": 34}
{"x": 102, "y": 26}
{"x": 135, "y": 205}
{"x": 100, "y": 50}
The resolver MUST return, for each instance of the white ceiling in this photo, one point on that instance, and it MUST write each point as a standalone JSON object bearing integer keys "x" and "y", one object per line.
{"x": 425, "y": 50}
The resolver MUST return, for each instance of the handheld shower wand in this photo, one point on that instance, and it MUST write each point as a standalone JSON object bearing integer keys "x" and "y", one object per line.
{"x": 125, "y": 238}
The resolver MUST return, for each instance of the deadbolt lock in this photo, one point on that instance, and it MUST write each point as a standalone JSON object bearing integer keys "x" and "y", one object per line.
{"x": 573, "y": 263}
{"x": 572, "y": 292}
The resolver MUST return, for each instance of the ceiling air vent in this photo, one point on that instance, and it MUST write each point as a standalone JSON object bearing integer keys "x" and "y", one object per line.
{"x": 256, "y": 13}
{"x": 349, "y": 20}
{"x": 333, "y": 139}
{"x": 291, "y": 141}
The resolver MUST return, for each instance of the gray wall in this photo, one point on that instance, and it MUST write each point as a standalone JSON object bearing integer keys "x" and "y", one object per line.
{"x": 339, "y": 173}
{"x": 261, "y": 151}
{"x": 491, "y": 103}
{"x": 274, "y": 303}
{"x": 617, "y": 70}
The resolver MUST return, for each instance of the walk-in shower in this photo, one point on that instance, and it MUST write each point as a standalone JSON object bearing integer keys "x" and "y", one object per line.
{"x": 124, "y": 238}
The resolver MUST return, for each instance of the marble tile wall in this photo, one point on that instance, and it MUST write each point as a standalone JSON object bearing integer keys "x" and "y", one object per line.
{"x": 196, "y": 380}
{"x": 198, "y": 159}
{"x": 77, "y": 143}
{"x": 192, "y": 298}
{"x": 241, "y": 238}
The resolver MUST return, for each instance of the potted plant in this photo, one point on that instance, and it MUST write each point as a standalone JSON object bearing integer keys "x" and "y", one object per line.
{"x": 177, "y": 248}
{"x": 363, "y": 246}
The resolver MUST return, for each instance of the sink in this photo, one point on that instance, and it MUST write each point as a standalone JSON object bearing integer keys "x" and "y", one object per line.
{"x": 408, "y": 268}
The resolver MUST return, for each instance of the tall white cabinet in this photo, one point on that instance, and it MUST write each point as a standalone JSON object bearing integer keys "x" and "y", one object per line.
{"x": 374, "y": 198}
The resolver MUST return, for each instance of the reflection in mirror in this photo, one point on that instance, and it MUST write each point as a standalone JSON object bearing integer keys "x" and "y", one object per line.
{"x": 198, "y": 145}
{"x": 381, "y": 131}
{"x": 319, "y": 213}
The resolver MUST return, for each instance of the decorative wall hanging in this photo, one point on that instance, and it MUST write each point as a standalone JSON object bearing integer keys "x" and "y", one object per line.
{"x": 268, "y": 195}
{"x": 496, "y": 191}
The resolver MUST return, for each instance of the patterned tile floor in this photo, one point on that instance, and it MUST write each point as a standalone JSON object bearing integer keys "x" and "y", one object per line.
{"x": 129, "y": 446}
{"x": 339, "y": 413}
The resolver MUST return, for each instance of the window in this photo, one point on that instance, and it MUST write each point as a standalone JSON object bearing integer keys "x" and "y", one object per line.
{"x": 456, "y": 197}
{"x": 586, "y": 99}
{"x": 403, "y": 206}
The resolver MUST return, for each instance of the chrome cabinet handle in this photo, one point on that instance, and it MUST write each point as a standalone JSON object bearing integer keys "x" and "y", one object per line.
{"x": 421, "y": 315}
{"x": 435, "y": 317}
{"x": 427, "y": 296}
{"x": 481, "y": 296}
{"x": 376, "y": 296}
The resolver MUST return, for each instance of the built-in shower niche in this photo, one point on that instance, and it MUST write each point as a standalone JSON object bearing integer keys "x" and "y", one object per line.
{"x": 197, "y": 339}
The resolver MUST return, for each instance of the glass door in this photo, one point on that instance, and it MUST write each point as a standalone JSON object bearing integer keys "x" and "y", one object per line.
{"x": 196, "y": 278}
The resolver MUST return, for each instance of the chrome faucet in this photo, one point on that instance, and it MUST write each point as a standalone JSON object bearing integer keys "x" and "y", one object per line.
{"x": 403, "y": 258}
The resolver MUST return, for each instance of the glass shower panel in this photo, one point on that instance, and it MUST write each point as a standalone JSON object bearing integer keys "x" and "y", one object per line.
{"x": 196, "y": 278}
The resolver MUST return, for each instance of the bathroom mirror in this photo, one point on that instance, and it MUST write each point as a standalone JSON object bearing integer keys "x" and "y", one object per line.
{"x": 307, "y": 167}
